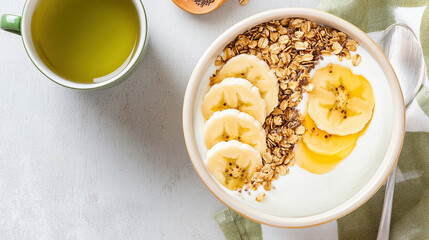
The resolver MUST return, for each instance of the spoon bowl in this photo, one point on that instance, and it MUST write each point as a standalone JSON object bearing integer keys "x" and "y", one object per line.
{"x": 191, "y": 7}
{"x": 402, "y": 48}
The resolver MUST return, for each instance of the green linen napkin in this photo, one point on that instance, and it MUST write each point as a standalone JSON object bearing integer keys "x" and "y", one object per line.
{"x": 410, "y": 216}
{"x": 236, "y": 227}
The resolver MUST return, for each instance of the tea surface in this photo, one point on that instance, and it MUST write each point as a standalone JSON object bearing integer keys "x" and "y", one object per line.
{"x": 85, "y": 41}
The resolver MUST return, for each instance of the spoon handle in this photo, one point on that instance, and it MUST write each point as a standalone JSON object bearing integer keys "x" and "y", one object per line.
{"x": 384, "y": 229}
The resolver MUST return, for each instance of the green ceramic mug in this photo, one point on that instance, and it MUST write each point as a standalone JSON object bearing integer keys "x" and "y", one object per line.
{"x": 22, "y": 26}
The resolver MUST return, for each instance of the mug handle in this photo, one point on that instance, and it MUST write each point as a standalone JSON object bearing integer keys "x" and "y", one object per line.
{"x": 11, "y": 23}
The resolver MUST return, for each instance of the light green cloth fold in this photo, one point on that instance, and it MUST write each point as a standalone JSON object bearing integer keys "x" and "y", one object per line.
{"x": 423, "y": 99}
{"x": 410, "y": 216}
{"x": 236, "y": 227}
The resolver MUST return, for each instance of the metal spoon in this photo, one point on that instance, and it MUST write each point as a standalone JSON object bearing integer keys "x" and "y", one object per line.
{"x": 402, "y": 48}
{"x": 191, "y": 7}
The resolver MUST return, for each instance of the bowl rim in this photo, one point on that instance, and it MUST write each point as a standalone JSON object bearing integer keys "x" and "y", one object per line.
{"x": 362, "y": 195}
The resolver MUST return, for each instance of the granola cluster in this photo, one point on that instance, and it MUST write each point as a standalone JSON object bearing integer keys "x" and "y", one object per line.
{"x": 291, "y": 47}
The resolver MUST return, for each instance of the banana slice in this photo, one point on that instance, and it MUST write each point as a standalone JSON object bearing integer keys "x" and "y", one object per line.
{"x": 231, "y": 163}
{"x": 321, "y": 142}
{"x": 232, "y": 124}
{"x": 234, "y": 93}
{"x": 318, "y": 163}
{"x": 257, "y": 72}
{"x": 341, "y": 103}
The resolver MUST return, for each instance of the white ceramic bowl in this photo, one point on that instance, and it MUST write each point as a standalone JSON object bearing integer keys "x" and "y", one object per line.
{"x": 369, "y": 187}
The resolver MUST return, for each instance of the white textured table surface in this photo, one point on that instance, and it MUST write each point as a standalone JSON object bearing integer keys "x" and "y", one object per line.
{"x": 112, "y": 164}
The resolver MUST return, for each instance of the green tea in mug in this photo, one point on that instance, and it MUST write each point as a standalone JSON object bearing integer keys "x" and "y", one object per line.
{"x": 85, "y": 41}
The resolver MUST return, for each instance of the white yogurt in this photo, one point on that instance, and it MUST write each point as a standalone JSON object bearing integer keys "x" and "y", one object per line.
{"x": 300, "y": 193}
